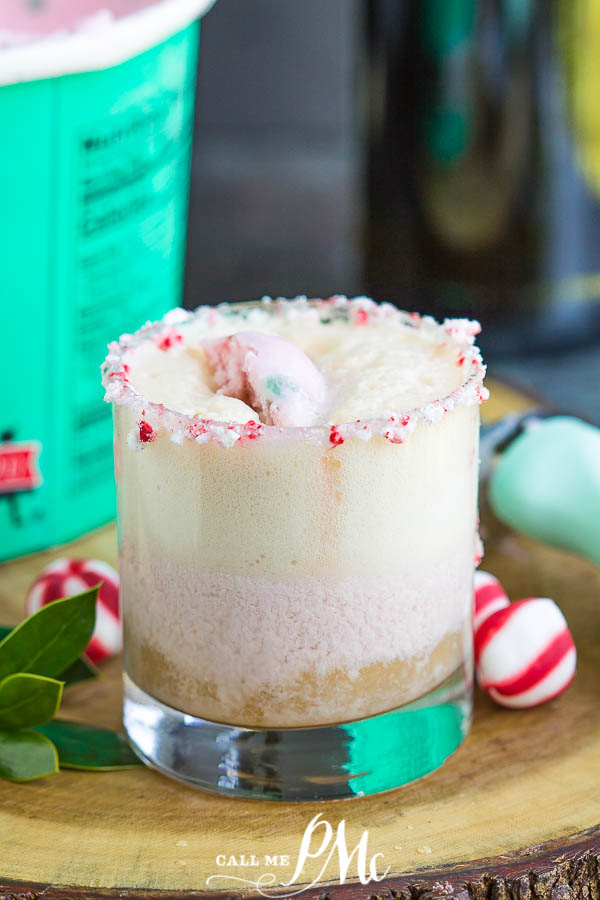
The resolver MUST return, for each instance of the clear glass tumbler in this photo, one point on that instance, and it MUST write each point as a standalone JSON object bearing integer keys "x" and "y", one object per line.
{"x": 297, "y": 601}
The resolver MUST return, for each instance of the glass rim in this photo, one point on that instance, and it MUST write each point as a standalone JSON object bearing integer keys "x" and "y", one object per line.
{"x": 156, "y": 417}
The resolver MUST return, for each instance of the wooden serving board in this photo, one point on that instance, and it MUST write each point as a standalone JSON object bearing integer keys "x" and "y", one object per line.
{"x": 515, "y": 813}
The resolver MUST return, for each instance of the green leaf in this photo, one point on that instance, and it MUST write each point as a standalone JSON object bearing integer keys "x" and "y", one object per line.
{"x": 50, "y": 640}
{"x": 81, "y": 670}
{"x": 25, "y": 755}
{"x": 89, "y": 747}
{"x": 27, "y": 700}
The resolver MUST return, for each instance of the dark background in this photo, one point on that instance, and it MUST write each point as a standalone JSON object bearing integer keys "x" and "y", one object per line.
{"x": 275, "y": 191}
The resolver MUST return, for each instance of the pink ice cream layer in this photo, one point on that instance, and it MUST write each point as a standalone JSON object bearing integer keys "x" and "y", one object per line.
{"x": 248, "y": 636}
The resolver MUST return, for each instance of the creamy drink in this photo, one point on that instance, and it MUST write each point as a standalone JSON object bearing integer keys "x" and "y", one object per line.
{"x": 297, "y": 490}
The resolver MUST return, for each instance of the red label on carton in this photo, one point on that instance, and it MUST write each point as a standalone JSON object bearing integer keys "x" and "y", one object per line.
{"x": 19, "y": 469}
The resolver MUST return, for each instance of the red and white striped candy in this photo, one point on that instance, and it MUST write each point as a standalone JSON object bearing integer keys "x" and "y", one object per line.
{"x": 490, "y": 596}
{"x": 66, "y": 577}
{"x": 524, "y": 653}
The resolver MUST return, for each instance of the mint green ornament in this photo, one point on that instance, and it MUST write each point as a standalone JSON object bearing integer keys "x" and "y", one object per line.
{"x": 547, "y": 485}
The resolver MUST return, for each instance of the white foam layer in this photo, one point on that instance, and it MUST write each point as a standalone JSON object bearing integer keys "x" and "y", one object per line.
{"x": 294, "y": 507}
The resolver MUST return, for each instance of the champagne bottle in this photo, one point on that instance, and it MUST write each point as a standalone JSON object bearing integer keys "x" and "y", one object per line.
{"x": 483, "y": 164}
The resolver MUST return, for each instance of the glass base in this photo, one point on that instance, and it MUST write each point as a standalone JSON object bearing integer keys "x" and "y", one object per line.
{"x": 328, "y": 762}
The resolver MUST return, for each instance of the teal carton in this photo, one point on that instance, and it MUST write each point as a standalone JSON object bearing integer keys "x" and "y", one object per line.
{"x": 92, "y": 233}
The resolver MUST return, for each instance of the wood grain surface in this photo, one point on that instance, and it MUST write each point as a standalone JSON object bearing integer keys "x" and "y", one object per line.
{"x": 514, "y": 814}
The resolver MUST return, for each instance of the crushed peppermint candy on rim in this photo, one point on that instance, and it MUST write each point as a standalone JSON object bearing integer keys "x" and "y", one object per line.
{"x": 154, "y": 418}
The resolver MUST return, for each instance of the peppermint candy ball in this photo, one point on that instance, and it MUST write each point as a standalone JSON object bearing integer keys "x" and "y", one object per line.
{"x": 524, "y": 653}
{"x": 66, "y": 577}
{"x": 490, "y": 596}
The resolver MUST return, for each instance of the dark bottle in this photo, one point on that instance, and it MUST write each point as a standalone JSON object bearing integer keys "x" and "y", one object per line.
{"x": 483, "y": 164}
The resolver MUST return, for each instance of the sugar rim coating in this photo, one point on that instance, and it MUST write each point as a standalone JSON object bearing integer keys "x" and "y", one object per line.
{"x": 155, "y": 417}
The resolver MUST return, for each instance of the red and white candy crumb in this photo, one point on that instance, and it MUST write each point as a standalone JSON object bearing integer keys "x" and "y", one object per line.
{"x": 524, "y": 651}
{"x": 335, "y": 436}
{"x": 154, "y": 420}
{"x": 67, "y": 577}
{"x": 168, "y": 339}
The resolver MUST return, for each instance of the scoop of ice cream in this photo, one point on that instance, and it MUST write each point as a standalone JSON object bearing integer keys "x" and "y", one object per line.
{"x": 270, "y": 374}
